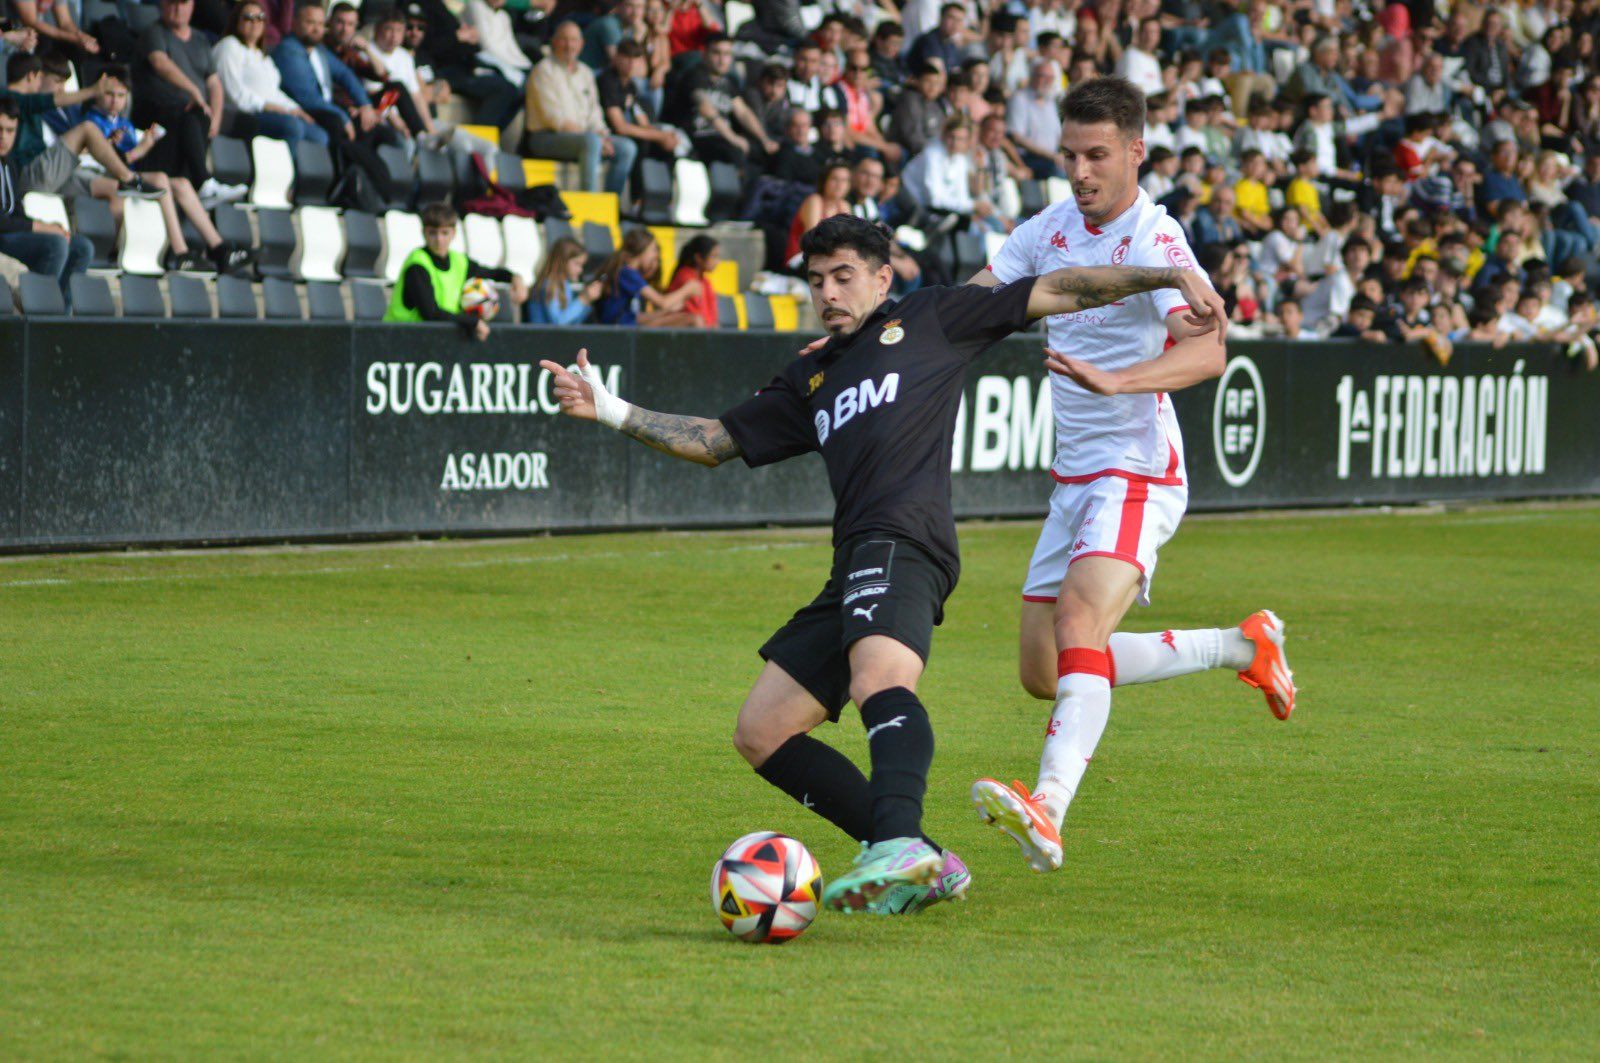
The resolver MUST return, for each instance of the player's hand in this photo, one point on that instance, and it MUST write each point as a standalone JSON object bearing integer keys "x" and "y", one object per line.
{"x": 480, "y": 331}
{"x": 1080, "y": 372}
{"x": 573, "y": 392}
{"x": 813, "y": 347}
{"x": 1206, "y": 310}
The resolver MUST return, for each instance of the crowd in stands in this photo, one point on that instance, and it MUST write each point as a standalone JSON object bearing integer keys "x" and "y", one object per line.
{"x": 1419, "y": 171}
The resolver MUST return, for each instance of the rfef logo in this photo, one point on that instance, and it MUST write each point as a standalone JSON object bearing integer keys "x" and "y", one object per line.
{"x": 1239, "y": 421}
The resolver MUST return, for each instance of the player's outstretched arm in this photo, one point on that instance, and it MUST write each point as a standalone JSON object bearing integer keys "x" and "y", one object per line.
{"x": 584, "y": 396}
{"x": 1195, "y": 353}
{"x": 1066, "y": 291}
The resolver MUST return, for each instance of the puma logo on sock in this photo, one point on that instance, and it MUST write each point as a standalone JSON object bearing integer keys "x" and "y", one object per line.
{"x": 896, "y": 722}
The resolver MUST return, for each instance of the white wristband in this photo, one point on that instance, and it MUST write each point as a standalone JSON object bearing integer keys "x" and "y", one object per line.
{"x": 608, "y": 409}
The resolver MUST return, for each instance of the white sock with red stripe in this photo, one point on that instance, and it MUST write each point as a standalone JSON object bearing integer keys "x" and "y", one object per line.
{"x": 1150, "y": 656}
{"x": 1083, "y": 705}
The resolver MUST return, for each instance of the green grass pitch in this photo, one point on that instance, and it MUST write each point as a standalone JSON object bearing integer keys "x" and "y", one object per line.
{"x": 463, "y": 798}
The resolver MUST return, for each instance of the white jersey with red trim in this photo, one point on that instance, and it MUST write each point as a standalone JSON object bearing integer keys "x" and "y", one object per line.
{"x": 1132, "y": 436}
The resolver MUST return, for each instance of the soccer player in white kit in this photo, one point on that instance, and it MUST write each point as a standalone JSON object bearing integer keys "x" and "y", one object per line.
{"x": 1121, "y": 486}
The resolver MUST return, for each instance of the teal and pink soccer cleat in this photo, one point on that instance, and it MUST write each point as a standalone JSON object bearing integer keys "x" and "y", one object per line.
{"x": 951, "y": 885}
{"x": 880, "y": 868}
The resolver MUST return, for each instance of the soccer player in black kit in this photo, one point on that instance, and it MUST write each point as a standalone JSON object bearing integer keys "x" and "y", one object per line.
{"x": 879, "y": 402}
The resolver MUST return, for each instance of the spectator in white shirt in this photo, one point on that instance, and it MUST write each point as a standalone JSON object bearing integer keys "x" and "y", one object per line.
{"x": 1139, "y": 63}
{"x": 564, "y": 119}
{"x": 497, "y": 44}
{"x": 1035, "y": 125}
{"x": 252, "y": 88}
{"x": 941, "y": 179}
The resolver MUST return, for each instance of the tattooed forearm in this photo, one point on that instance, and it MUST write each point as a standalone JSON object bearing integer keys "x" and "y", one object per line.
{"x": 696, "y": 439}
{"x": 1075, "y": 288}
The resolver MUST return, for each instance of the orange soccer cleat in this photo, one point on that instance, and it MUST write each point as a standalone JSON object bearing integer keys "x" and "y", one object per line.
{"x": 1269, "y": 672}
{"x": 1021, "y": 815}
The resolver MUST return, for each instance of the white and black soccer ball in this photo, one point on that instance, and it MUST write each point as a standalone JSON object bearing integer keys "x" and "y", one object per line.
{"x": 766, "y": 888}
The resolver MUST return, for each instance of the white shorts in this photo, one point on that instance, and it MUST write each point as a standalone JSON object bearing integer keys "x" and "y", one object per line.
{"x": 1108, "y": 517}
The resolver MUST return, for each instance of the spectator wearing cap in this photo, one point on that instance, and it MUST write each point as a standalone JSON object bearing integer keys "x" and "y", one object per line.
{"x": 252, "y": 88}
{"x": 921, "y": 110}
{"x": 450, "y": 49}
{"x": 718, "y": 110}
{"x": 564, "y": 119}
{"x": 945, "y": 41}
{"x": 1035, "y": 125}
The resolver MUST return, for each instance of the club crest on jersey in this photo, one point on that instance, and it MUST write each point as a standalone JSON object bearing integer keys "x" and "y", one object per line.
{"x": 892, "y": 333}
{"x": 1121, "y": 252}
{"x": 813, "y": 384}
{"x": 1058, "y": 241}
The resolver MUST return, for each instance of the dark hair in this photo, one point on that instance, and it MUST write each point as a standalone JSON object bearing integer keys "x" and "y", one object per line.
{"x": 57, "y": 64}
{"x": 20, "y": 65}
{"x": 837, "y": 162}
{"x": 807, "y": 46}
{"x": 630, "y": 48}
{"x": 696, "y": 251}
{"x": 1414, "y": 286}
{"x": 1301, "y": 156}
{"x": 1106, "y": 99}
{"x": 1361, "y": 302}
{"x": 886, "y": 30}
{"x": 846, "y": 232}
{"x": 1483, "y": 314}
{"x": 341, "y": 7}
{"x": 716, "y": 38}
{"x": 438, "y": 215}
{"x": 10, "y": 108}
{"x": 117, "y": 72}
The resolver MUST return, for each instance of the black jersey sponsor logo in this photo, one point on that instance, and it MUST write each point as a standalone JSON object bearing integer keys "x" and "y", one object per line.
{"x": 867, "y": 395}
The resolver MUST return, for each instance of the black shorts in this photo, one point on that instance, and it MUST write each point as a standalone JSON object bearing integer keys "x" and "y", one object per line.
{"x": 879, "y": 586}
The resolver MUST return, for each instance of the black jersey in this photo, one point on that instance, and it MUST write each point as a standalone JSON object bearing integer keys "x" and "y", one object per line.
{"x": 880, "y": 406}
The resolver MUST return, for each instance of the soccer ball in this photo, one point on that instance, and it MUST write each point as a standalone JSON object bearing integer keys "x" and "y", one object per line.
{"x": 479, "y": 298}
{"x": 766, "y": 888}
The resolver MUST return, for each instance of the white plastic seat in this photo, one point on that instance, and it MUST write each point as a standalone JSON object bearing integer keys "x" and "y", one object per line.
{"x": 736, "y": 15}
{"x": 144, "y": 238}
{"x": 524, "y": 246}
{"x": 320, "y": 249}
{"x": 485, "y": 241}
{"x": 46, "y": 207}
{"x": 458, "y": 242}
{"x": 992, "y": 243}
{"x": 691, "y": 191}
{"x": 1057, "y": 189}
{"x": 402, "y": 234}
{"x": 274, "y": 173}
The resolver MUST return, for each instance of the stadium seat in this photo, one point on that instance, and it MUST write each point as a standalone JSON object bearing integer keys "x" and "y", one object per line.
{"x": 321, "y": 245}
{"x": 8, "y": 305}
{"x": 740, "y": 316}
{"x": 92, "y": 219}
{"x": 274, "y": 181}
{"x": 691, "y": 191}
{"x": 1032, "y": 193}
{"x": 737, "y": 14}
{"x": 401, "y": 178}
{"x": 141, "y": 297}
{"x": 363, "y": 244}
{"x": 655, "y": 192}
{"x": 727, "y": 312}
{"x": 369, "y": 299}
{"x": 992, "y": 243}
{"x": 233, "y": 225}
{"x": 757, "y": 311}
{"x": 91, "y": 296}
{"x": 524, "y": 245}
{"x": 324, "y": 300}
{"x": 402, "y": 234}
{"x": 536, "y": 172}
{"x": 785, "y": 312}
{"x": 230, "y": 161}
{"x": 236, "y": 298}
{"x": 41, "y": 294}
{"x": 313, "y": 173}
{"x": 458, "y": 242}
{"x": 727, "y": 191}
{"x": 970, "y": 255}
{"x": 486, "y": 242}
{"x": 190, "y": 296}
{"x": 667, "y": 240}
{"x": 463, "y": 175}
{"x": 1007, "y": 199}
{"x": 1057, "y": 189}
{"x": 144, "y": 238}
{"x": 557, "y": 229}
{"x": 508, "y": 172}
{"x": 600, "y": 207}
{"x": 42, "y": 206}
{"x": 597, "y": 242}
{"x": 725, "y": 278}
{"x": 278, "y": 243}
{"x": 281, "y": 300}
{"x": 435, "y": 177}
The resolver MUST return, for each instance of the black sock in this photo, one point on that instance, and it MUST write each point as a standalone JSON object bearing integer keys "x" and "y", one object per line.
{"x": 825, "y": 781}
{"x": 900, "y": 739}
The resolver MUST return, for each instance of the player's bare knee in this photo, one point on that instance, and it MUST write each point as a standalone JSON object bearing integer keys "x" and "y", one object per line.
{"x": 755, "y": 742}
{"x": 1041, "y": 683}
